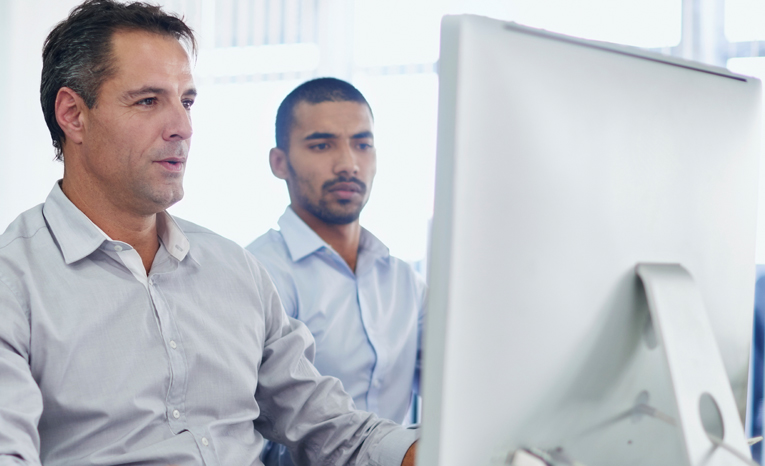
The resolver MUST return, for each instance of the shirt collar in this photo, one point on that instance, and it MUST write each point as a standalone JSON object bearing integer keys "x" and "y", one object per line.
{"x": 370, "y": 245}
{"x": 78, "y": 236}
{"x": 171, "y": 235}
{"x": 300, "y": 238}
{"x": 302, "y": 241}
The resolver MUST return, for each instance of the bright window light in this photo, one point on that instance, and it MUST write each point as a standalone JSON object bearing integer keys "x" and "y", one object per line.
{"x": 647, "y": 23}
{"x": 744, "y": 20}
{"x": 401, "y": 204}
{"x": 247, "y": 61}
{"x": 400, "y": 32}
{"x": 749, "y": 66}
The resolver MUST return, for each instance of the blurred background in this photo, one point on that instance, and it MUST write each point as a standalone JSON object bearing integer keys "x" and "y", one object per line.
{"x": 253, "y": 52}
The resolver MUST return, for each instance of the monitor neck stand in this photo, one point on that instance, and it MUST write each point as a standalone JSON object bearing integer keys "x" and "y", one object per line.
{"x": 708, "y": 418}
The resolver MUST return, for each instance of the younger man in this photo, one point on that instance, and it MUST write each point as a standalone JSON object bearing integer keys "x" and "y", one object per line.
{"x": 363, "y": 306}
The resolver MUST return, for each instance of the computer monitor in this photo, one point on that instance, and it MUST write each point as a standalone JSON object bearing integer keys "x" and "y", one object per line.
{"x": 562, "y": 165}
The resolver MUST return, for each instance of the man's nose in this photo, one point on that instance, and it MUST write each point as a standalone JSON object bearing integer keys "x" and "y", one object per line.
{"x": 179, "y": 123}
{"x": 347, "y": 162}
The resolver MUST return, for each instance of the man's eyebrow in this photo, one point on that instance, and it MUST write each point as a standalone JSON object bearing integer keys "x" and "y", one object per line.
{"x": 143, "y": 91}
{"x": 318, "y": 135}
{"x": 363, "y": 135}
{"x": 155, "y": 90}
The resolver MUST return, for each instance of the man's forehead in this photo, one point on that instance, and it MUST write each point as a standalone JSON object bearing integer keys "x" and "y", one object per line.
{"x": 333, "y": 117}
{"x": 141, "y": 55}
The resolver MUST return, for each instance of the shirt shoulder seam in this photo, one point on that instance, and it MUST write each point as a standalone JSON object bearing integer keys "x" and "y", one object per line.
{"x": 20, "y": 237}
{"x": 15, "y": 294}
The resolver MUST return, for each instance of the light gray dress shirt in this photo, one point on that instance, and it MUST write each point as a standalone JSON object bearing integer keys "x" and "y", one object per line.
{"x": 193, "y": 365}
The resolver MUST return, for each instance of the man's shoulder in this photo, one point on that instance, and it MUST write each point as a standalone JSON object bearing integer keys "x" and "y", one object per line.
{"x": 23, "y": 228}
{"x": 25, "y": 245}
{"x": 206, "y": 241}
{"x": 411, "y": 270}
{"x": 224, "y": 255}
{"x": 191, "y": 228}
{"x": 270, "y": 247}
{"x": 385, "y": 259}
{"x": 272, "y": 252}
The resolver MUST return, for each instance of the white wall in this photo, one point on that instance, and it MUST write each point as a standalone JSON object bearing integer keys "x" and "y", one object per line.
{"x": 27, "y": 169}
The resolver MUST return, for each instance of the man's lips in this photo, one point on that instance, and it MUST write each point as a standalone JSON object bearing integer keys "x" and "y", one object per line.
{"x": 346, "y": 186}
{"x": 345, "y": 190}
{"x": 173, "y": 164}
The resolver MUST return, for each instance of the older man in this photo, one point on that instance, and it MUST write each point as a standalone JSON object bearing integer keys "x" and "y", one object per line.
{"x": 132, "y": 337}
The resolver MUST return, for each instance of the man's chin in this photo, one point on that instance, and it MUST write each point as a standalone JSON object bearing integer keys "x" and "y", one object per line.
{"x": 335, "y": 217}
{"x": 161, "y": 201}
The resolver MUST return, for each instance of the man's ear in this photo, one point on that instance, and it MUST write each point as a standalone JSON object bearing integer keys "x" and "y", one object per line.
{"x": 279, "y": 164}
{"x": 70, "y": 114}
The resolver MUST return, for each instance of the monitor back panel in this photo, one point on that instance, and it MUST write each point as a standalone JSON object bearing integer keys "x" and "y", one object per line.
{"x": 561, "y": 164}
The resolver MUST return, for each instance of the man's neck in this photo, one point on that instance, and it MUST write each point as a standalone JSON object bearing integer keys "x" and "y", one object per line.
{"x": 344, "y": 239}
{"x": 139, "y": 231}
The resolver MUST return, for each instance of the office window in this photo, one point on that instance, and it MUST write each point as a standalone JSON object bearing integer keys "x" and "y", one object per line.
{"x": 744, "y": 20}
{"x": 401, "y": 32}
{"x": 648, "y": 23}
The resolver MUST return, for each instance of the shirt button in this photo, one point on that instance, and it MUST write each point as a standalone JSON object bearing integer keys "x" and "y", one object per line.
{"x": 176, "y": 413}
{"x": 204, "y": 441}
{"x": 118, "y": 248}
{"x": 172, "y": 344}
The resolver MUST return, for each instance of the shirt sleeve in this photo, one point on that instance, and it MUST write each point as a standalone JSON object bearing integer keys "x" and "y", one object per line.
{"x": 20, "y": 397}
{"x": 309, "y": 413}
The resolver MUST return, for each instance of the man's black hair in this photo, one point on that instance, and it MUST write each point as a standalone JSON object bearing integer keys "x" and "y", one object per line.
{"x": 78, "y": 52}
{"x": 314, "y": 92}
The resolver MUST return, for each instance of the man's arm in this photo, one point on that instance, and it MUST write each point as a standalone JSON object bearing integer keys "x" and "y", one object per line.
{"x": 20, "y": 397}
{"x": 310, "y": 413}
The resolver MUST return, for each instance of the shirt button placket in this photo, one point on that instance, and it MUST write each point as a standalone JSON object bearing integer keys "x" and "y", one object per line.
{"x": 175, "y": 399}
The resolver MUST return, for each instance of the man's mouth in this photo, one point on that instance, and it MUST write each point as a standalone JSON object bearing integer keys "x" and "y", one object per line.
{"x": 345, "y": 190}
{"x": 346, "y": 186}
{"x": 173, "y": 164}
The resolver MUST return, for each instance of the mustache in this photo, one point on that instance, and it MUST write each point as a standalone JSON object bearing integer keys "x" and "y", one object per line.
{"x": 345, "y": 179}
{"x": 177, "y": 149}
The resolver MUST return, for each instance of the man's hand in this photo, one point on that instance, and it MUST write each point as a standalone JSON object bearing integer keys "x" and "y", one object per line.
{"x": 410, "y": 454}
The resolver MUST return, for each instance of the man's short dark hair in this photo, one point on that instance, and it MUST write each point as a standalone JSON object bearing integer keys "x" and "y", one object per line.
{"x": 78, "y": 52}
{"x": 314, "y": 92}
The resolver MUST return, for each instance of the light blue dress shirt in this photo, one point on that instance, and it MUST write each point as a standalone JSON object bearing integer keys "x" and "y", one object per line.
{"x": 367, "y": 324}
{"x": 191, "y": 366}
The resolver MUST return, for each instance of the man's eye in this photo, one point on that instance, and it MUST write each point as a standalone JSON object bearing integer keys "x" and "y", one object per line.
{"x": 320, "y": 146}
{"x": 188, "y": 103}
{"x": 149, "y": 101}
{"x": 365, "y": 146}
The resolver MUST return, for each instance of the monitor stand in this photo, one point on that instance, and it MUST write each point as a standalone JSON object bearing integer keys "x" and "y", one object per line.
{"x": 709, "y": 423}
{"x": 707, "y": 415}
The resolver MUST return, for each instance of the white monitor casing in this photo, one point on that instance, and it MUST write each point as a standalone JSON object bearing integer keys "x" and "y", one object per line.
{"x": 562, "y": 164}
